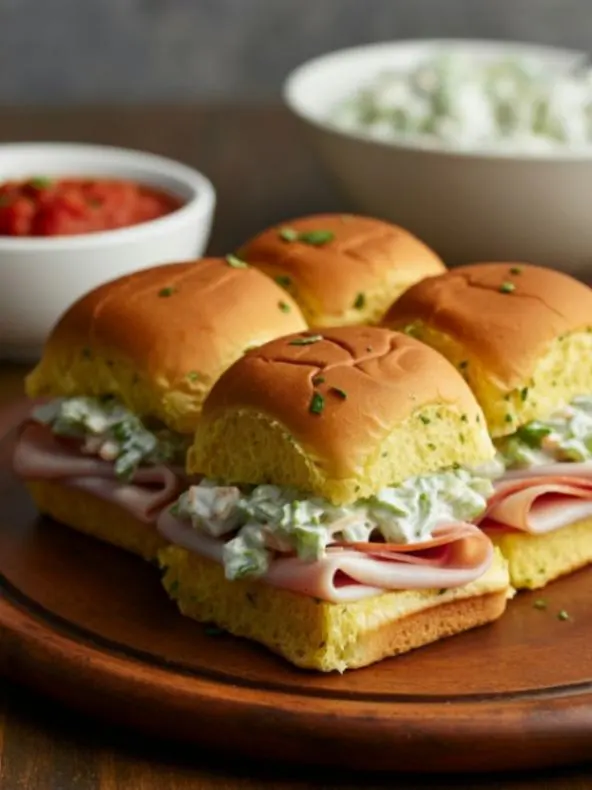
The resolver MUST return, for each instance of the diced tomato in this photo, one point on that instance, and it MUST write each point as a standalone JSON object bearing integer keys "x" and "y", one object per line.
{"x": 69, "y": 207}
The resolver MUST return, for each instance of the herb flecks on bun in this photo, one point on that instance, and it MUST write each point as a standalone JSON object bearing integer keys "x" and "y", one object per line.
{"x": 341, "y": 269}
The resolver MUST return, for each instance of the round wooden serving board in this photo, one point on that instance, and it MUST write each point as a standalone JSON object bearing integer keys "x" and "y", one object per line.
{"x": 91, "y": 626}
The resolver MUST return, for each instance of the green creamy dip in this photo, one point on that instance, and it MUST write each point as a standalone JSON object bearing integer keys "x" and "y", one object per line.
{"x": 566, "y": 436}
{"x": 269, "y": 518}
{"x": 114, "y": 433}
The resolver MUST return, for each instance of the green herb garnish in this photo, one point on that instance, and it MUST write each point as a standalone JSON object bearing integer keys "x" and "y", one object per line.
{"x": 305, "y": 341}
{"x": 339, "y": 392}
{"x": 288, "y": 234}
{"x": 194, "y": 375}
{"x": 317, "y": 403}
{"x": 464, "y": 364}
{"x": 432, "y": 446}
{"x": 285, "y": 308}
{"x": 40, "y": 182}
{"x": 166, "y": 292}
{"x": 314, "y": 237}
{"x": 360, "y": 301}
{"x": 516, "y": 270}
{"x": 533, "y": 433}
{"x": 283, "y": 280}
{"x": 540, "y": 603}
{"x": 464, "y": 418}
{"x": 508, "y": 418}
{"x": 236, "y": 263}
{"x": 507, "y": 288}
{"x": 318, "y": 380}
{"x": 524, "y": 394}
{"x": 563, "y": 615}
{"x": 424, "y": 419}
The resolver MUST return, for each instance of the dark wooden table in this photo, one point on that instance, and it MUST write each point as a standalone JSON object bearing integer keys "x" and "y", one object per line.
{"x": 263, "y": 173}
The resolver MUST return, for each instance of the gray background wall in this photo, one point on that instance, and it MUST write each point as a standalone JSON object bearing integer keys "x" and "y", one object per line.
{"x": 90, "y": 51}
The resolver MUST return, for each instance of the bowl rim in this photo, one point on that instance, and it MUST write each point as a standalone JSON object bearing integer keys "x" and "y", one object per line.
{"x": 197, "y": 208}
{"x": 291, "y": 96}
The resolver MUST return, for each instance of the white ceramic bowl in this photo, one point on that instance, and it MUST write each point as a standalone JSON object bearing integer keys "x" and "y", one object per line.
{"x": 41, "y": 277}
{"x": 469, "y": 206}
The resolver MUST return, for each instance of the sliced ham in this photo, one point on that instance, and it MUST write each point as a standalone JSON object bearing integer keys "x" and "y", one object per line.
{"x": 458, "y": 554}
{"x": 39, "y": 455}
{"x": 548, "y": 499}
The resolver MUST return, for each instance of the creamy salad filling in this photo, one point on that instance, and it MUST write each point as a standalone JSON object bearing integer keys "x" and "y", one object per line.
{"x": 112, "y": 432}
{"x": 565, "y": 436}
{"x": 461, "y": 102}
{"x": 261, "y": 521}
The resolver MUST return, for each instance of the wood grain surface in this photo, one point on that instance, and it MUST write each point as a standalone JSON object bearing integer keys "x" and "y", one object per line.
{"x": 42, "y": 744}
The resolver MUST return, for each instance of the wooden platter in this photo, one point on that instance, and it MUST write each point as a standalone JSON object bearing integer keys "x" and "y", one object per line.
{"x": 90, "y": 626}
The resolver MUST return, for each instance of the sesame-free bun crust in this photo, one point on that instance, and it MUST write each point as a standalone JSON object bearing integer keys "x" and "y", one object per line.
{"x": 159, "y": 338}
{"x": 103, "y": 520}
{"x": 366, "y": 256}
{"x": 406, "y": 411}
{"x": 324, "y": 636}
{"x": 524, "y": 353}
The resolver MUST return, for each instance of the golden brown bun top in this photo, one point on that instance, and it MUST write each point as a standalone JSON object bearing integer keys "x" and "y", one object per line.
{"x": 160, "y": 337}
{"x": 369, "y": 381}
{"x": 506, "y": 314}
{"x": 350, "y": 279}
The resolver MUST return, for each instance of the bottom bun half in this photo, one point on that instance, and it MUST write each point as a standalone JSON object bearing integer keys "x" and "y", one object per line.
{"x": 536, "y": 560}
{"x": 319, "y": 635}
{"x": 96, "y": 517}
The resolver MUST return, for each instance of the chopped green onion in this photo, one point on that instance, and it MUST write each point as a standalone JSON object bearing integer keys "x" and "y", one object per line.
{"x": 533, "y": 433}
{"x": 288, "y": 234}
{"x": 41, "y": 182}
{"x": 305, "y": 341}
{"x": 285, "y": 308}
{"x": 339, "y": 392}
{"x": 283, "y": 280}
{"x": 360, "y": 301}
{"x": 507, "y": 288}
{"x": 236, "y": 263}
{"x": 313, "y": 237}
{"x": 166, "y": 291}
{"x": 317, "y": 403}
{"x": 316, "y": 237}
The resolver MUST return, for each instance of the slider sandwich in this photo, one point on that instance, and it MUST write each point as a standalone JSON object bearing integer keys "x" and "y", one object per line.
{"x": 340, "y": 268}
{"x": 123, "y": 377}
{"x": 332, "y": 523}
{"x": 522, "y": 337}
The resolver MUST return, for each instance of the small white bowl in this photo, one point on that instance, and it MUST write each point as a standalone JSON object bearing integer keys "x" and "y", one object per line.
{"x": 468, "y": 205}
{"x": 41, "y": 277}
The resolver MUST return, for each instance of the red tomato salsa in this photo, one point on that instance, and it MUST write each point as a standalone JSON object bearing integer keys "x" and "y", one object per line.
{"x": 74, "y": 206}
